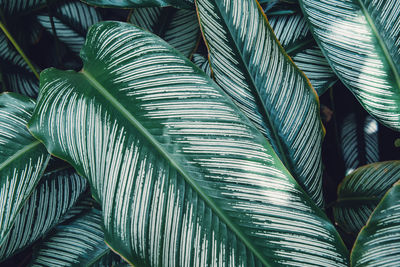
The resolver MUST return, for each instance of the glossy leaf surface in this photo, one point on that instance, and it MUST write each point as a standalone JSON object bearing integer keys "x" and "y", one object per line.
{"x": 359, "y": 141}
{"x": 378, "y": 243}
{"x": 361, "y": 191}
{"x": 251, "y": 66}
{"x": 55, "y": 195}
{"x": 293, "y": 33}
{"x": 183, "y": 177}
{"x": 178, "y": 27}
{"x": 360, "y": 40}
{"x": 188, "y": 4}
{"x": 22, "y": 158}
{"x": 71, "y": 22}
{"x": 80, "y": 242}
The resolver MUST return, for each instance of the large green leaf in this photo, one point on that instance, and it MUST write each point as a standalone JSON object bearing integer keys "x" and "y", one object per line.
{"x": 359, "y": 141}
{"x": 141, "y": 3}
{"x": 183, "y": 177}
{"x": 378, "y": 243}
{"x": 57, "y": 192}
{"x": 293, "y": 33}
{"x": 22, "y": 158}
{"x": 251, "y": 66}
{"x": 179, "y": 27}
{"x": 361, "y": 191}
{"x": 360, "y": 40}
{"x": 13, "y": 7}
{"x": 80, "y": 242}
{"x": 71, "y": 22}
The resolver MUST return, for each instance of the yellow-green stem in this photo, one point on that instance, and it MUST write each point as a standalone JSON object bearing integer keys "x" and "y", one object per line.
{"x": 12, "y": 40}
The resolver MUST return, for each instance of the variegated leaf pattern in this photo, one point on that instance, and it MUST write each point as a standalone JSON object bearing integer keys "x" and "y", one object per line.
{"x": 251, "y": 66}
{"x": 80, "y": 242}
{"x": 279, "y": 7}
{"x": 202, "y": 62}
{"x": 56, "y": 194}
{"x": 359, "y": 141}
{"x": 16, "y": 74}
{"x": 22, "y": 158}
{"x": 183, "y": 177}
{"x": 71, "y": 22}
{"x": 361, "y": 191}
{"x": 13, "y": 7}
{"x": 179, "y": 27}
{"x": 378, "y": 243}
{"x": 293, "y": 33}
{"x": 188, "y": 4}
{"x": 361, "y": 42}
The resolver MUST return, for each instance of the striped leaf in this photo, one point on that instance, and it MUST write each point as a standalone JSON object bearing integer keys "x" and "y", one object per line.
{"x": 14, "y": 7}
{"x": 359, "y": 141}
{"x": 188, "y": 4}
{"x": 71, "y": 22}
{"x": 293, "y": 33}
{"x": 16, "y": 74}
{"x": 251, "y": 66}
{"x": 183, "y": 177}
{"x": 378, "y": 244}
{"x": 22, "y": 159}
{"x": 78, "y": 243}
{"x": 279, "y": 7}
{"x": 360, "y": 40}
{"x": 202, "y": 62}
{"x": 179, "y": 27}
{"x": 57, "y": 192}
{"x": 361, "y": 191}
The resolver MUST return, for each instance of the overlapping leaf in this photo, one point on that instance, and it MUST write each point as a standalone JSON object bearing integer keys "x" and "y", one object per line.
{"x": 57, "y": 192}
{"x": 251, "y": 66}
{"x": 22, "y": 158}
{"x": 359, "y": 141}
{"x": 293, "y": 33}
{"x": 184, "y": 178}
{"x": 11, "y": 8}
{"x": 71, "y": 22}
{"x": 202, "y": 62}
{"x": 360, "y": 40}
{"x": 361, "y": 191}
{"x": 378, "y": 243}
{"x": 179, "y": 27}
{"x": 80, "y": 242}
{"x": 141, "y": 3}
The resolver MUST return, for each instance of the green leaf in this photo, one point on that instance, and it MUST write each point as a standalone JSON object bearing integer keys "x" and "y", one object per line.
{"x": 22, "y": 158}
{"x": 360, "y": 41}
{"x": 71, "y": 22}
{"x": 361, "y": 191}
{"x": 378, "y": 243}
{"x": 188, "y": 4}
{"x": 179, "y": 27}
{"x": 182, "y": 175}
{"x": 251, "y": 66}
{"x": 56, "y": 193}
{"x": 203, "y": 63}
{"x": 359, "y": 141}
{"x": 293, "y": 33}
{"x": 80, "y": 242}
{"x": 15, "y": 7}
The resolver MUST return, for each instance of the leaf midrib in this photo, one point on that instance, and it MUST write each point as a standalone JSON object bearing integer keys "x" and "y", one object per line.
{"x": 19, "y": 153}
{"x": 147, "y": 135}
{"x": 381, "y": 43}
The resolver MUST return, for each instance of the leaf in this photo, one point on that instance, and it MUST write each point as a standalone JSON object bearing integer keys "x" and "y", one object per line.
{"x": 360, "y": 41}
{"x": 81, "y": 242}
{"x": 361, "y": 191}
{"x": 202, "y": 62}
{"x": 250, "y": 65}
{"x": 22, "y": 158}
{"x": 378, "y": 243}
{"x": 179, "y": 27}
{"x": 359, "y": 141}
{"x": 56, "y": 193}
{"x": 293, "y": 33}
{"x": 183, "y": 177}
{"x": 71, "y": 22}
{"x": 188, "y": 4}
{"x": 16, "y": 7}
{"x": 16, "y": 74}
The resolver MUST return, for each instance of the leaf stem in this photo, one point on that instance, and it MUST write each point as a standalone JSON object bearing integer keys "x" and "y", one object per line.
{"x": 12, "y": 40}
